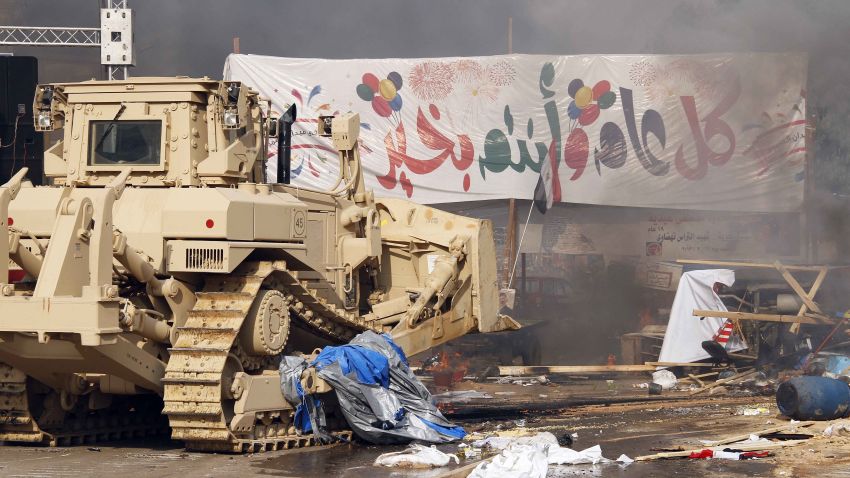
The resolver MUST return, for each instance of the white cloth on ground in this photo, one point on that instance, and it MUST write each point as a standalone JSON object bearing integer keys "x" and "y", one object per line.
{"x": 416, "y": 456}
{"x": 685, "y": 333}
{"x": 531, "y": 456}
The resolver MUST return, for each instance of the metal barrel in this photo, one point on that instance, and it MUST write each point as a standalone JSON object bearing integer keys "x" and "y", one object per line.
{"x": 813, "y": 398}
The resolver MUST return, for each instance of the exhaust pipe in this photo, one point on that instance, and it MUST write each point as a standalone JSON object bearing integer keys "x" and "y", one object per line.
{"x": 284, "y": 145}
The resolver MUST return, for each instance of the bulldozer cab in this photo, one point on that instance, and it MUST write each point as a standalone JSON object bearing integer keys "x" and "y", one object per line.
{"x": 170, "y": 131}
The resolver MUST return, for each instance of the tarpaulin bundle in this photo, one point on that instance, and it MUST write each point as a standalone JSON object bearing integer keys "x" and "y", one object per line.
{"x": 381, "y": 399}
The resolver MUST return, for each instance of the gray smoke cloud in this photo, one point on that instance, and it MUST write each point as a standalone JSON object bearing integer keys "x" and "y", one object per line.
{"x": 193, "y": 37}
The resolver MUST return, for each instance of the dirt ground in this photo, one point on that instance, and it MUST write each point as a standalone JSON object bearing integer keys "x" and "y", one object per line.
{"x": 599, "y": 414}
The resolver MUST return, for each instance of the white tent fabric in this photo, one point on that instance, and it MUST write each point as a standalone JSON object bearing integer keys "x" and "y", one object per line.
{"x": 685, "y": 333}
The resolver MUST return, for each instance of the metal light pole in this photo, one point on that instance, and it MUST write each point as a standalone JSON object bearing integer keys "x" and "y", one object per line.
{"x": 114, "y": 37}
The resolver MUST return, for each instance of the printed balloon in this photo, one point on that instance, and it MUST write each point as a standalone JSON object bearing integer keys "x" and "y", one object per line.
{"x": 575, "y": 85}
{"x": 396, "y": 79}
{"x": 381, "y": 106}
{"x": 371, "y": 81}
{"x": 364, "y": 92}
{"x": 607, "y": 99}
{"x": 584, "y": 96}
{"x": 600, "y": 88}
{"x": 387, "y": 89}
{"x": 573, "y": 111}
{"x": 395, "y": 104}
{"x": 588, "y": 115}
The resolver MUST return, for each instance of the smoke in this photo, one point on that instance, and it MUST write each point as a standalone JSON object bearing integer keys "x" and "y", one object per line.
{"x": 193, "y": 37}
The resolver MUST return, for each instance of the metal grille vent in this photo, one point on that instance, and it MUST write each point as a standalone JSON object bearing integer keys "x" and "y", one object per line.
{"x": 205, "y": 258}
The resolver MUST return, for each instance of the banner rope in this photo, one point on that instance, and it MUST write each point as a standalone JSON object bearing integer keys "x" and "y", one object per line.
{"x": 519, "y": 247}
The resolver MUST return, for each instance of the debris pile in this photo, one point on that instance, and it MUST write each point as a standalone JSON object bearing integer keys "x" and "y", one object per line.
{"x": 381, "y": 399}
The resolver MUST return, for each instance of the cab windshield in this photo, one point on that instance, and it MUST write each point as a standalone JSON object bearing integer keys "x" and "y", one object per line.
{"x": 124, "y": 142}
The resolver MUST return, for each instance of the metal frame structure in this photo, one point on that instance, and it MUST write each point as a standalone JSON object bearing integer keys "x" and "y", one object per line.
{"x": 115, "y": 67}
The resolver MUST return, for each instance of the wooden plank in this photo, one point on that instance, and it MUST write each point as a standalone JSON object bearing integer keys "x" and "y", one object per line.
{"x": 697, "y": 377}
{"x": 741, "y": 446}
{"x": 464, "y": 470}
{"x": 812, "y": 292}
{"x": 680, "y": 364}
{"x": 724, "y": 381}
{"x": 759, "y": 433}
{"x": 697, "y": 380}
{"x": 797, "y": 287}
{"x": 757, "y": 265}
{"x": 791, "y": 319}
{"x": 544, "y": 369}
{"x": 814, "y": 289}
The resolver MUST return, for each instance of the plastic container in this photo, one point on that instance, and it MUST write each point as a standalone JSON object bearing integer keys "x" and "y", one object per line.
{"x": 655, "y": 388}
{"x": 813, "y": 398}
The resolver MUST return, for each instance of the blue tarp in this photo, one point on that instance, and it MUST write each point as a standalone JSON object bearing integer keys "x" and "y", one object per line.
{"x": 380, "y": 397}
{"x": 370, "y": 366}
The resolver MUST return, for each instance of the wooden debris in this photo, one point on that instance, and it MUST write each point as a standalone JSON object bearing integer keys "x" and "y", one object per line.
{"x": 724, "y": 381}
{"x": 680, "y": 364}
{"x": 668, "y": 449}
{"x": 791, "y": 319}
{"x": 544, "y": 369}
{"x": 804, "y": 296}
{"x": 740, "y": 446}
{"x": 766, "y": 431}
{"x": 812, "y": 292}
{"x": 696, "y": 379}
{"x": 757, "y": 265}
{"x": 464, "y": 470}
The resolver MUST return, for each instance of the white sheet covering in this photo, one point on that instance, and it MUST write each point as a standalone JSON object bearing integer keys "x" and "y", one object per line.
{"x": 685, "y": 333}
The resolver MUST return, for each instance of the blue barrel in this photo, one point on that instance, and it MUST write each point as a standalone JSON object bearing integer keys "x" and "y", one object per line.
{"x": 813, "y": 398}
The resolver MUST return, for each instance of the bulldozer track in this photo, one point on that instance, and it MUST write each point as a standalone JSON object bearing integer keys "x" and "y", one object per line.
{"x": 17, "y": 423}
{"x": 194, "y": 397}
{"x": 193, "y": 400}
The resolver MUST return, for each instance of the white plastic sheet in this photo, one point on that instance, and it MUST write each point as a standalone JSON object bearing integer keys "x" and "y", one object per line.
{"x": 710, "y": 132}
{"x": 665, "y": 378}
{"x": 416, "y": 456}
{"x": 531, "y": 456}
{"x": 685, "y": 333}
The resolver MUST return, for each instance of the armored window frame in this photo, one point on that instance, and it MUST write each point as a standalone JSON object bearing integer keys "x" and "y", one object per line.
{"x": 150, "y": 130}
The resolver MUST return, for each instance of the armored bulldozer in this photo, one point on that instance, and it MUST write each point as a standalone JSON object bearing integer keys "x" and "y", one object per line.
{"x": 160, "y": 276}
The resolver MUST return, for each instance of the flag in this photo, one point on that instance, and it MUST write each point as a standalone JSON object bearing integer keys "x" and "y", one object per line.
{"x": 543, "y": 191}
{"x": 724, "y": 333}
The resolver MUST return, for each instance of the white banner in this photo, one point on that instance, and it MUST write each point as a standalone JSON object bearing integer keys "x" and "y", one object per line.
{"x": 721, "y": 132}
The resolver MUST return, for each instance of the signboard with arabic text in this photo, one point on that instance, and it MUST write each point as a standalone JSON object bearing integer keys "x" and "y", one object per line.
{"x": 711, "y": 132}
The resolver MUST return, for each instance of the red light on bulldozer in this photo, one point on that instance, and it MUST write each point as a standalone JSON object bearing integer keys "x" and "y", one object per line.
{"x": 10, "y": 221}
{"x": 210, "y": 223}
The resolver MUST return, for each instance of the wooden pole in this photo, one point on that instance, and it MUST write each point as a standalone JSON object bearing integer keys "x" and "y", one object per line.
{"x": 506, "y": 370}
{"x": 757, "y": 265}
{"x": 740, "y": 446}
{"x": 807, "y": 224}
{"x": 804, "y": 296}
{"x": 510, "y": 238}
{"x": 524, "y": 283}
{"x": 235, "y": 44}
{"x": 510, "y": 35}
{"x": 790, "y": 319}
{"x": 724, "y": 381}
{"x": 759, "y": 433}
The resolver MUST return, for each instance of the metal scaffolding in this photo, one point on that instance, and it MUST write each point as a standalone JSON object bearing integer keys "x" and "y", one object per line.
{"x": 114, "y": 37}
{"x": 49, "y": 36}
